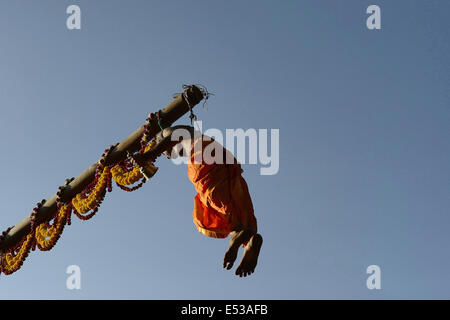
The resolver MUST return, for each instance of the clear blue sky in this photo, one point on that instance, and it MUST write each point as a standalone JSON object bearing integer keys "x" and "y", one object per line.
{"x": 364, "y": 143}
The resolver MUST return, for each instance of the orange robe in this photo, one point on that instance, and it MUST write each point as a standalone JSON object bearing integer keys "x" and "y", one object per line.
{"x": 223, "y": 201}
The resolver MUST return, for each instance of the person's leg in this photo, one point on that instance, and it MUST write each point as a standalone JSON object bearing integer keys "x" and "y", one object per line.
{"x": 250, "y": 259}
{"x": 243, "y": 216}
{"x": 238, "y": 237}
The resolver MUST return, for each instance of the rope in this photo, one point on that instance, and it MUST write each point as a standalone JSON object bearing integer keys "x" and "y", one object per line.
{"x": 206, "y": 95}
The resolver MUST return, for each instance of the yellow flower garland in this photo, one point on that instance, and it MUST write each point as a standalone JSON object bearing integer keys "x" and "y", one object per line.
{"x": 126, "y": 178}
{"x": 84, "y": 204}
{"x": 46, "y": 235}
{"x": 149, "y": 146}
{"x": 11, "y": 263}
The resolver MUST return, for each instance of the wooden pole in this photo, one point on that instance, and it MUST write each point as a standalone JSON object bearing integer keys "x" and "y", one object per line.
{"x": 172, "y": 112}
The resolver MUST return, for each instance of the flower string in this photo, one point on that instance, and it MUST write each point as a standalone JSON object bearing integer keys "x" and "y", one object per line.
{"x": 84, "y": 205}
{"x": 12, "y": 261}
{"x": 47, "y": 235}
{"x": 91, "y": 198}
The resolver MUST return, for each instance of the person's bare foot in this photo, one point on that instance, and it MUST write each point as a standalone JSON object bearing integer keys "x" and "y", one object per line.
{"x": 250, "y": 258}
{"x": 237, "y": 238}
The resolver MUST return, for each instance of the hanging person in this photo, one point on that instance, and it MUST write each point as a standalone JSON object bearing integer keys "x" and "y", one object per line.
{"x": 222, "y": 206}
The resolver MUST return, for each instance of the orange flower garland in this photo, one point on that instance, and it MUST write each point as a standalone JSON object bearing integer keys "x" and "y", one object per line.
{"x": 93, "y": 196}
{"x": 128, "y": 172}
{"x": 125, "y": 177}
{"x": 46, "y": 234}
{"x": 13, "y": 260}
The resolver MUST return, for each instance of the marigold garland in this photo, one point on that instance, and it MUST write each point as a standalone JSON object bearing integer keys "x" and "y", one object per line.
{"x": 83, "y": 202}
{"x": 150, "y": 146}
{"x": 46, "y": 234}
{"x": 13, "y": 260}
{"x": 128, "y": 172}
{"x": 126, "y": 177}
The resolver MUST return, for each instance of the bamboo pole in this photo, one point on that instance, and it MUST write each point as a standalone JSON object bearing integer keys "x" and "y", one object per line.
{"x": 172, "y": 112}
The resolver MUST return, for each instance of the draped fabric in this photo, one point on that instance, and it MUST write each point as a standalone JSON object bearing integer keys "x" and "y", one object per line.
{"x": 223, "y": 201}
